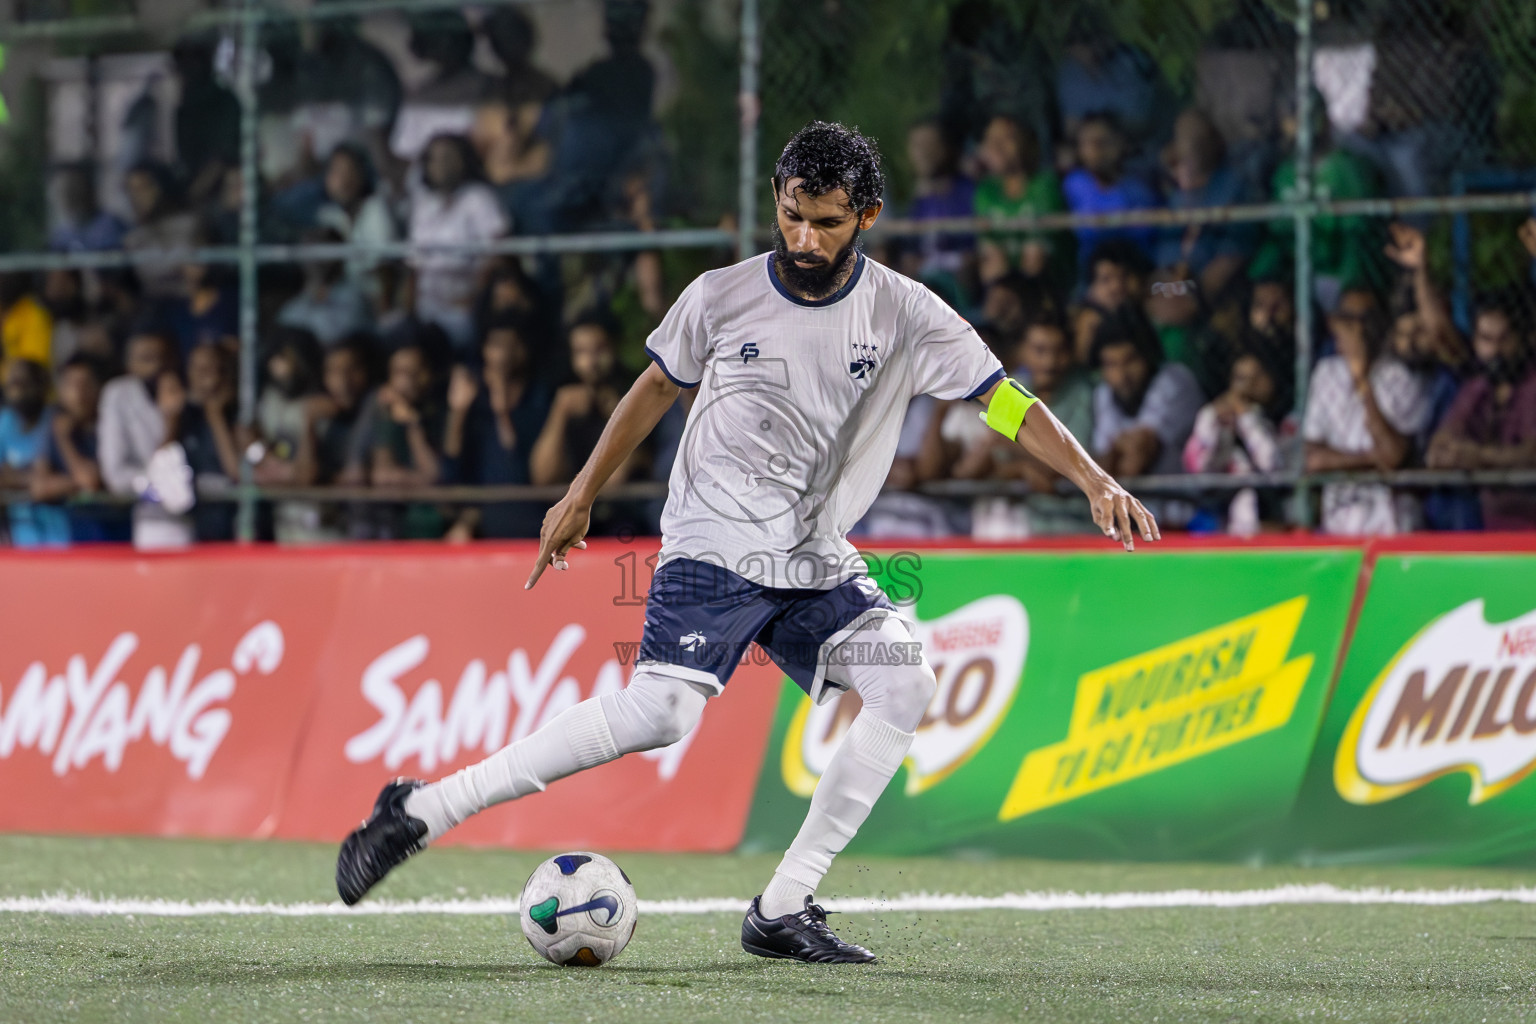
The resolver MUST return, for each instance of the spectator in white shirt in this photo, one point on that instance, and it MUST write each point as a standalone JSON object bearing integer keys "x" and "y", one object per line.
{"x": 1363, "y": 410}
{"x": 356, "y": 211}
{"x": 140, "y": 412}
{"x": 1144, "y": 407}
{"x": 1237, "y": 433}
{"x": 451, "y": 206}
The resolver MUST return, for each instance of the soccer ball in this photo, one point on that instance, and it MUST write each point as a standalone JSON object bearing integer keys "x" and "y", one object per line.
{"x": 578, "y": 909}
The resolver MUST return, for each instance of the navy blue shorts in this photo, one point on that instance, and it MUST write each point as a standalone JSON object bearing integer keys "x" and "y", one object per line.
{"x": 702, "y": 619}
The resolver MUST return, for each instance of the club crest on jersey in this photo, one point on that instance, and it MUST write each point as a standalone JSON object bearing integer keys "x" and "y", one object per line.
{"x": 748, "y": 351}
{"x": 863, "y": 362}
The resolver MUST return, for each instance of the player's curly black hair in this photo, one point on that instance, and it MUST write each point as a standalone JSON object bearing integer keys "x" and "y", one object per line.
{"x": 829, "y": 156}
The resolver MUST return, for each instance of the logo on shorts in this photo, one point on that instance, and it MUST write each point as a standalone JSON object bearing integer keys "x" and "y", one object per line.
{"x": 691, "y": 641}
{"x": 748, "y": 351}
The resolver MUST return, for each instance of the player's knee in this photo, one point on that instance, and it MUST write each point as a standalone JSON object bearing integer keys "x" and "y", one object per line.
{"x": 913, "y": 687}
{"x": 900, "y": 694}
{"x": 655, "y": 710}
{"x": 673, "y": 722}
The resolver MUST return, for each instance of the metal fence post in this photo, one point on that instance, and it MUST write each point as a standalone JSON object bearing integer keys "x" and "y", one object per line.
{"x": 250, "y": 26}
{"x": 749, "y": 105}
{"x": 1302, "y": 214}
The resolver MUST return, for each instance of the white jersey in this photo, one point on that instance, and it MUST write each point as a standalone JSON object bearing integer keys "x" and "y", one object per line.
{"x": 799, "y": 409}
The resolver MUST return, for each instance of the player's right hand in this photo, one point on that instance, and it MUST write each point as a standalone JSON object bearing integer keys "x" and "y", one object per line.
{"x": 565, "y": 527}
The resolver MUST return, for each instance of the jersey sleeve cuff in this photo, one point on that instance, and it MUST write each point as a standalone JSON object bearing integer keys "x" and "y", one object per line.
{"x": 670, "y": 375}
{"x": 981, "y": 389}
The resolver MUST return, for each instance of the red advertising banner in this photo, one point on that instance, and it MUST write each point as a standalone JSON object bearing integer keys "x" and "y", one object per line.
{"x": 435, "y": 662}
{"x": 230, "y": 692}
{"x": 163, "y": 695}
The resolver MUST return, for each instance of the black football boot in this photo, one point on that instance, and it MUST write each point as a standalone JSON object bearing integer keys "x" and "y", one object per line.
{"x": 388, "y": 837}
{"x": 803, "y": 936}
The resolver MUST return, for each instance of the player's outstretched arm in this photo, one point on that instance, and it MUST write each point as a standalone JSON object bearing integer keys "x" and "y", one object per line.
{"x": 566, "y": 523}
{"x": 1116, "y": 512}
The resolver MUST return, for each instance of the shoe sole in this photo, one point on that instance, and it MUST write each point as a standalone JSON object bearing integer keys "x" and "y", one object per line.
{"x": 770, "y": 955}
{"x": 767, "y": 954}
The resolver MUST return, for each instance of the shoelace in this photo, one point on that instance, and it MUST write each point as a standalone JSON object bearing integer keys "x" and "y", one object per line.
{"x": 814, "y": 917}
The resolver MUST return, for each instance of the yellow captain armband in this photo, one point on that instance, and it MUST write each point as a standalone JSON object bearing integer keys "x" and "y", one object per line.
{"x": 1005, "y": 413}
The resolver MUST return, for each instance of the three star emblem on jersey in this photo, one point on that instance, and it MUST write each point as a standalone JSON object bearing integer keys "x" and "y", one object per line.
{"x": 863, "y": 361}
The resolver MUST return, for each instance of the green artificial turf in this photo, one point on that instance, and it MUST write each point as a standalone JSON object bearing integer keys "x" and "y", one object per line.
{"x": 1361, "y": 963}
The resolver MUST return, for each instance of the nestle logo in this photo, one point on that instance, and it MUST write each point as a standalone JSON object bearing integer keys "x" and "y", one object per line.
{"x": 1518, "y": 643}
{"x": 967, "y": 634}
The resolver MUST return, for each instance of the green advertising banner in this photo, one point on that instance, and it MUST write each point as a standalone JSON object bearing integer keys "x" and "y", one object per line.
{"x": 1429, "y": 742}
{"x": 1161, "y": 705}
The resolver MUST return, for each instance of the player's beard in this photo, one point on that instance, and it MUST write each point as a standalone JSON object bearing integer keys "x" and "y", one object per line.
{"x": 820, "y": 280}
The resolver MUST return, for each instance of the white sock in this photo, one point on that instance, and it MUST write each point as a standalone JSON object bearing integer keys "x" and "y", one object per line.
{"x": 856, "y": 776}
{"x": 576, "y": 738}
{"x": 785, "y": 895}
{"x": 654, "y": 710}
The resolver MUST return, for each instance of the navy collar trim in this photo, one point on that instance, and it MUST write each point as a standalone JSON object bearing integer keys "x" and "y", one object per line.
{"x": 837, "y": 296}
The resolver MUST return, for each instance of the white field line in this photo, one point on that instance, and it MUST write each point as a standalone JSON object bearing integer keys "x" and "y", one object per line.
{"x": 913, "y": 902}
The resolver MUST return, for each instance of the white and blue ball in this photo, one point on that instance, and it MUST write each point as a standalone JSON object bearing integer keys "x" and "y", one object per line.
{"x": 578, "y": 909}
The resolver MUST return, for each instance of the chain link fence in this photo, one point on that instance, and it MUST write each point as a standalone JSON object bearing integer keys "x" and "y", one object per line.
{"x": 1262, "y": 296}
{"x": 1293, "y": 269}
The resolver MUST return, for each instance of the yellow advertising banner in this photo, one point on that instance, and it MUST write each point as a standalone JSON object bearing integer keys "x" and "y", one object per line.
{"x": 1168, "y": 705}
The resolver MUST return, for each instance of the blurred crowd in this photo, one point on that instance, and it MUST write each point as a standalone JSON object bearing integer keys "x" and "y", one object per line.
{"x": 1170, "y": 350}
{"x": 1166, "y": 351}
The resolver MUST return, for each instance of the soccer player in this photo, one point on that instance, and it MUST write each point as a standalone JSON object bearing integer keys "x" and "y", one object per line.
{"x": 806, "y": 359}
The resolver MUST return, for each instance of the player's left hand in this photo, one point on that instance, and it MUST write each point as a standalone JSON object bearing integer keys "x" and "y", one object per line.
{"x": 1121, "y": 516}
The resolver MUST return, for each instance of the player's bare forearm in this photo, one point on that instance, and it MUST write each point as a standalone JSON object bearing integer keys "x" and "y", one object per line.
{"x": 632, "y": 421}
{"x": 1118, "y": 514}
{"x": 566, "y": 523}
{"x": 1044, "y": 437}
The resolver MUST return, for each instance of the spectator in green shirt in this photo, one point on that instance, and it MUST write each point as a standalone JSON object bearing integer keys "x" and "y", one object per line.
{"x": 1017, "y": 186}
{"x": 1345, "y": 250}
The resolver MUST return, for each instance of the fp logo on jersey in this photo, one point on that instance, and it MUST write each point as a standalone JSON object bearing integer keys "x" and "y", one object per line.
{"x": 863, "y": 361}
{"x": 747, "y": 352}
